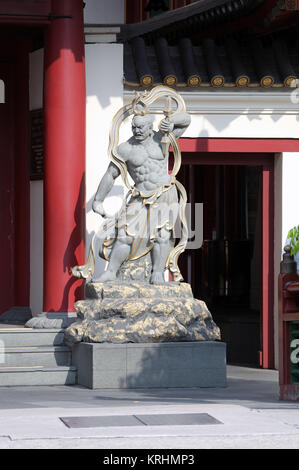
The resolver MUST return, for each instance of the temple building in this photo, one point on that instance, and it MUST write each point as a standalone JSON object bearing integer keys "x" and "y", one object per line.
{"x": 67, "y": 66}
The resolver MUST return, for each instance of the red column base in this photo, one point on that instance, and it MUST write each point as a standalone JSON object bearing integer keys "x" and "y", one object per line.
{"x": 289, "y": 392}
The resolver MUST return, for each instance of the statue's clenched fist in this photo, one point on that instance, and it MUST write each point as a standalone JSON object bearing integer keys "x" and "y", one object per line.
{"x": 166, "y": 126}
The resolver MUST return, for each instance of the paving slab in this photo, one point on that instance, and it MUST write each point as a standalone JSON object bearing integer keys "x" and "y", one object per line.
{"x": 105, "y": 445}
{"x": 235, "y": 419}
{"x": 245, "y": 386}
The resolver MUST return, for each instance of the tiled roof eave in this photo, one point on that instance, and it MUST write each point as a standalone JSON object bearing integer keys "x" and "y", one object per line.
{"x": 227, "y": 63}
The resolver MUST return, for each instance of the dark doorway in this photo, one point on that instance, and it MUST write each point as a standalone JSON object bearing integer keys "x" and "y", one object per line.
{"x": 7, "y": 188}
{"x": 14, "y": 169}
{"x": 226, "y": 271}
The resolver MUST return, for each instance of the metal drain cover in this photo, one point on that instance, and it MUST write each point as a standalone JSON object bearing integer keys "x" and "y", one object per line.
{"x": 181, "y": 419}
{"x": 178, "y": 419}
{"x": 100, "y": 421}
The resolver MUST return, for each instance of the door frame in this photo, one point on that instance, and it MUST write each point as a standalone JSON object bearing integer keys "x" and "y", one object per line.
{"x": 259, "y": 152}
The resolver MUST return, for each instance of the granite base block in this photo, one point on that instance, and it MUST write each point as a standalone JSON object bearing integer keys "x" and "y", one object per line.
{"x": 150, "y": 365}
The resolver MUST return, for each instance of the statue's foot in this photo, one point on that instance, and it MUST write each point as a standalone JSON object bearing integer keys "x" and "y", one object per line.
{"x": 157, "y": 278}
{"x": 106, "y": 276}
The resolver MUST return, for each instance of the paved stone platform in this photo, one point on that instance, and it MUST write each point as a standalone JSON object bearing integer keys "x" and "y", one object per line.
{"x": 250, "y": 413}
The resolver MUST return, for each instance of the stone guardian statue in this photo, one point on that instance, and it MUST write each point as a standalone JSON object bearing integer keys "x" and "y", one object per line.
{"x": 155, "y": 200}
{"x": 147, "y": 310}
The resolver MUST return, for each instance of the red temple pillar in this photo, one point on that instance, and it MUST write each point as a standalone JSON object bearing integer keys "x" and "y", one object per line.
{"x": 64, "y": 182}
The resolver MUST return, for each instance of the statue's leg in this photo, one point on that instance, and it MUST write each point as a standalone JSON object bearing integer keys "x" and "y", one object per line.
{"x": 159, "y": 254}
{"x": 119, "y": 253}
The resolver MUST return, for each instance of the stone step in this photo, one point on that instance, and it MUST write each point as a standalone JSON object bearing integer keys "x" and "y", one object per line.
{"x": 12, "y": 337}
{"x": 37, "y": 375}
{"x": 34, "y": 357}
{"x": 44, "y": 356}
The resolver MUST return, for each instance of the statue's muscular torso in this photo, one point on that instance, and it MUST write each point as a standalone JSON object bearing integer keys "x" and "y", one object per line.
{"x": 146, "y": 163}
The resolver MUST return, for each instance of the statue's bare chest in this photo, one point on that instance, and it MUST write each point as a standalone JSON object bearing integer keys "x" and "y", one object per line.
{"x": 147, "y": 156}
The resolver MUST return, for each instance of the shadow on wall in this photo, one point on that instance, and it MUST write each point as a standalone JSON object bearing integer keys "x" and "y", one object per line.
{"x": 221, "y": 122}
{"x": 102, "y": 82}
{"x": 117, "y": 191}
{"x": 70, "y": 258}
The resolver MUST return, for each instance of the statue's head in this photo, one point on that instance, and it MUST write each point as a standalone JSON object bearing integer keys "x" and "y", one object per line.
{"x": 142, "y": 126}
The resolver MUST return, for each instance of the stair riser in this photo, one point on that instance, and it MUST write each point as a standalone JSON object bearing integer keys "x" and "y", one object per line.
{"x": 37, "y": 378}
{"x": 31, "y": 338}
{"x": 28, "y": 359}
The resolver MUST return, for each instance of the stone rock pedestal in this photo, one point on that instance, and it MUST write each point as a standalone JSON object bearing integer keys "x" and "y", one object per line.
{"x": 137, "y": 335}
{"x": 139, "y": 312}
{"x": 151, "y": 365}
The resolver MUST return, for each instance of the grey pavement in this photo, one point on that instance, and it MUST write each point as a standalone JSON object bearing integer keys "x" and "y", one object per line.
{"x": 247, "y": 414}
